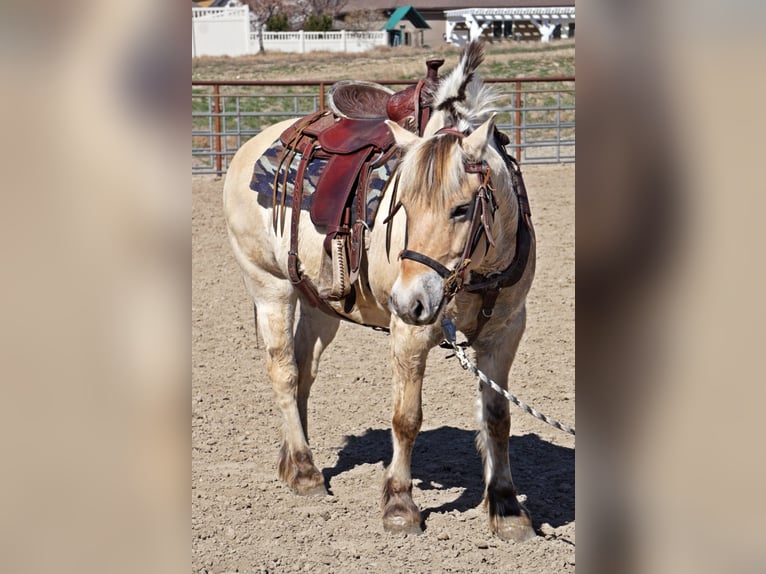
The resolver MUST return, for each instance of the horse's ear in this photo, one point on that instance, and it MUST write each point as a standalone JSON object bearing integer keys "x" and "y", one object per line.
{"x": 403, "y": 138}
{"x": 475, "y": 144}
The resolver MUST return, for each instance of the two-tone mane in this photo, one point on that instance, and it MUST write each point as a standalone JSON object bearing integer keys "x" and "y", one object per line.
{"x": 462, "y": 101}
{"x": 433, "y": 169}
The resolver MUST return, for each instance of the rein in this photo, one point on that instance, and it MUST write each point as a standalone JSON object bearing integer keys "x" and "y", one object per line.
{"x": 484, "y": 207}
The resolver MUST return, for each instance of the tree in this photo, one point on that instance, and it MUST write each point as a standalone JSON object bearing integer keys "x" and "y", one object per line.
{"x": 263, "y": 10}
{"x": 331, "y": 7}
{"x": 364, "y": 20}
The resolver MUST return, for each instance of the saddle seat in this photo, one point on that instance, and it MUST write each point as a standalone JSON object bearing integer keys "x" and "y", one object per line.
{"x": 362, "y": 100}
{"x": 359, "y": 100}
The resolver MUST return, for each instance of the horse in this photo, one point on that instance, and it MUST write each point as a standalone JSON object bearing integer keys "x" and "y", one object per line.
{"x": 454, "y": 214}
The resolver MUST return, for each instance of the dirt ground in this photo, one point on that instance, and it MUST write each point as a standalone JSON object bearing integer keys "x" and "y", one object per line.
{"x": 245, "y": 520}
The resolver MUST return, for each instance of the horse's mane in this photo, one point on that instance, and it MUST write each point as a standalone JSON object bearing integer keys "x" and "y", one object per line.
{"x": 461, "y": 102}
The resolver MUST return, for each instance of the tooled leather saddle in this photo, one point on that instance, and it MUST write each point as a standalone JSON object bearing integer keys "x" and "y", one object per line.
{"x": 353, "y": 140}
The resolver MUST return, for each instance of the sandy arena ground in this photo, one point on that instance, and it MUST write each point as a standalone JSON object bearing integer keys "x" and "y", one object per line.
{"x": 245, "y": 520}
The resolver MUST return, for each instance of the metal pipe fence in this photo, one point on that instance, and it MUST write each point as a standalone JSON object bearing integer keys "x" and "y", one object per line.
{"x": 538, "y": 114}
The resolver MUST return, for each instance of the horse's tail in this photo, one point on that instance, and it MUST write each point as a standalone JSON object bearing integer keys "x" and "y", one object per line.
{"x": 462, "y": 101}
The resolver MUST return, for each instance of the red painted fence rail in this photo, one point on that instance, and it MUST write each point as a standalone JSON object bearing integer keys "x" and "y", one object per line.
{"x": 538, "y": 111}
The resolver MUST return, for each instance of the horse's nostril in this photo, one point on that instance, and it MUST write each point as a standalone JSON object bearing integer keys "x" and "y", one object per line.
{"x": 418, "y": 309}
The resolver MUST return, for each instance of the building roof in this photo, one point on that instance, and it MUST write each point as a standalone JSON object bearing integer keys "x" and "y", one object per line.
{"x": 441, "y": 5}
{"x": 408, "y": 12}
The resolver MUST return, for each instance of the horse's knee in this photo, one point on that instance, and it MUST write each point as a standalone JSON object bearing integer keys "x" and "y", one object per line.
{"x": 494, "y": 419}
{"x": 495, "y": 411}
{"x": 282, "y": 369}
{"x": 406, "y": 425}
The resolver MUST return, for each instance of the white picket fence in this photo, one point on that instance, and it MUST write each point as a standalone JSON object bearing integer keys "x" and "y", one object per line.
{"x": 226, "y": 32}
{"x": 301, "y": 42}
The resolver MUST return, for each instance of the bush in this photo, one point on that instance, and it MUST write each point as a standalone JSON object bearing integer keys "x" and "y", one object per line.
{"x": 318, "y": 23}
{"x": 277, "y": 23}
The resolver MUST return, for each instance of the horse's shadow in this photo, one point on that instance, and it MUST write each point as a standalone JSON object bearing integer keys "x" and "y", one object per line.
{"x": 446, "y": 458}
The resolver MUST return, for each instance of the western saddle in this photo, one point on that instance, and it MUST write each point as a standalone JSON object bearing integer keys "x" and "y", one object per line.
{"x": 353, "y": 139}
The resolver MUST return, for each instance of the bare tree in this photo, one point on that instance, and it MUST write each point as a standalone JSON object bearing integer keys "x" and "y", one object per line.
{"x": 364, "y": 20}
{"x": 262, "y": 10}
{"x": 331, "y": 7}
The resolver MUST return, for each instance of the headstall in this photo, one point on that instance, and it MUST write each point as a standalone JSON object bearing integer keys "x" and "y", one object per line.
{"x": 484, "y": 207}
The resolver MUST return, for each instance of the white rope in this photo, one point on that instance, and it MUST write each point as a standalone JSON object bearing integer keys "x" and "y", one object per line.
{"x": 450, "y": 337}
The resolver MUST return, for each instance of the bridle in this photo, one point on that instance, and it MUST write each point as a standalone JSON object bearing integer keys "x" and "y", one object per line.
{"x": 484, "y": 207}
{"x": 483, "y": 214}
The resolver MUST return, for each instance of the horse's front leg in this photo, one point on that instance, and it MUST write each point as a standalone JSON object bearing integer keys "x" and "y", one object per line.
{"x": 507, "y": 517}
{"x": 409, "y": 351}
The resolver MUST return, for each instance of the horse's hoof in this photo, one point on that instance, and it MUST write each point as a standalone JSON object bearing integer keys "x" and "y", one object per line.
{"x": 401, "y": 525}
{"x": 308, "y": 490}
{"x": 299, "y": 473}
{"x": 310, "y": 483}
{"x": 508, "y": 519}
{"x": 400, "y": 513}
{"x": 515, "y": 528}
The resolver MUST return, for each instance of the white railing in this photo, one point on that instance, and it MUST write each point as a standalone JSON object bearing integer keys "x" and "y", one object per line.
{"x": 566, "y": 12}
{"x": 212, "y": 13}
{"x": 334, "y": 41}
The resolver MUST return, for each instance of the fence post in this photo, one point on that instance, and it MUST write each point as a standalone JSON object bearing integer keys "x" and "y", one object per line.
{"x": 246, "y": 27}
{"x": 301, "y": 42}
{"x": 217, "y": 128}
{"x": 517, "y": 121}
{"x": 321, "y": 96}
{"x": 343, "y": 41}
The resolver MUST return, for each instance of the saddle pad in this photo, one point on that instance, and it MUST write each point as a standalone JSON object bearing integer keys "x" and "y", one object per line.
{"x": 262, "y": 181}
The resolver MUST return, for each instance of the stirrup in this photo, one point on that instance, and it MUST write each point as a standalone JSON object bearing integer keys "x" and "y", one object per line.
{"x": 341, "y": 286}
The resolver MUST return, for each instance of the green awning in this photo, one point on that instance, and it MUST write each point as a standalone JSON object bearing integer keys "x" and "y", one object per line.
{"x": 409, "y": 13}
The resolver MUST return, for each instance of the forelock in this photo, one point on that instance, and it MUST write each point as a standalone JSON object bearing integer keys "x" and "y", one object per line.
{"x": 432, "y": 172}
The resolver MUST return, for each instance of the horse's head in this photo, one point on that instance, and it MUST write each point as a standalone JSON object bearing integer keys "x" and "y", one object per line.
{"x": 445, "y": 186}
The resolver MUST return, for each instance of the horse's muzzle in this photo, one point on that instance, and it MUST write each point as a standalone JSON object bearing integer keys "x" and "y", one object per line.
{"x": 419, "y": 302}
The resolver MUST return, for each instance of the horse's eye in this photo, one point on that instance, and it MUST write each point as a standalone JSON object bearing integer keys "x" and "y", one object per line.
{"x": 460, "y": 211}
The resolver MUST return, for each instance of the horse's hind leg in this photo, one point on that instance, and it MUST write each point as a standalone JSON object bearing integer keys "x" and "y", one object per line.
{"x": 275, "y": 302}
{"x": 314, "y": 332}
{"x": 507, "y": 517}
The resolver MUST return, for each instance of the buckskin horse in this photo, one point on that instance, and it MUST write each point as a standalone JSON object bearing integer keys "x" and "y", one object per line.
{"x": 450, "y": 242}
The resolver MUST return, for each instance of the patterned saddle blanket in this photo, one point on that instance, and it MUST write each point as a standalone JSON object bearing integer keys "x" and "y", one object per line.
{"x": 267, "y": 170}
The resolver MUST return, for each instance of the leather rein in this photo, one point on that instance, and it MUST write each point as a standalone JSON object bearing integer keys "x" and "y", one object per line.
{"x": 484, "y": 206}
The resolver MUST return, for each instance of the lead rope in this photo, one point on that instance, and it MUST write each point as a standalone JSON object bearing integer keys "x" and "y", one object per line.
{"x": 450, "y": 335}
